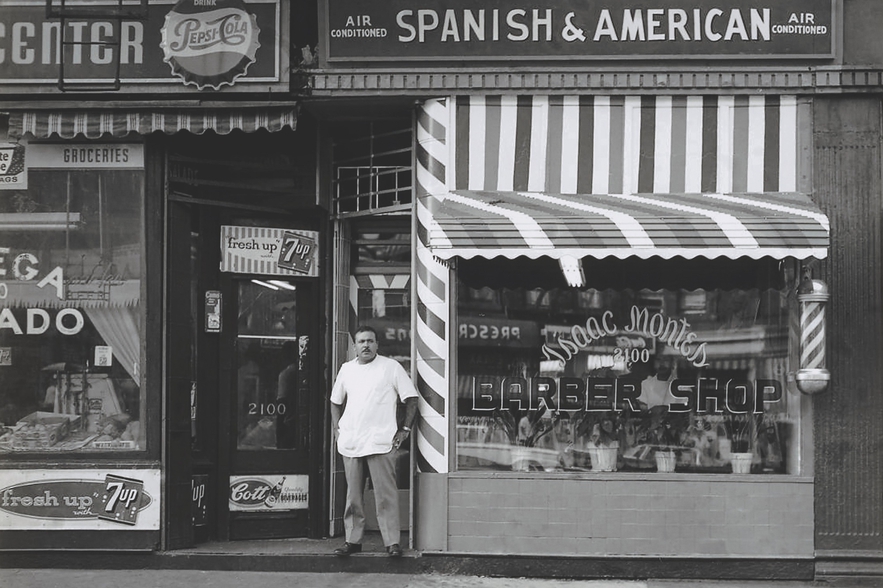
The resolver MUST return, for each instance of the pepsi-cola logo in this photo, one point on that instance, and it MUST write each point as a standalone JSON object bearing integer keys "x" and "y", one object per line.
{"x": 210, "y": 43}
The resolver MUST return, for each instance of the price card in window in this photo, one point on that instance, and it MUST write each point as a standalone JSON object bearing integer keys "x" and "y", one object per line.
{"x": 213, "y": 302}
{"x": 120, "y": 500}
{"x": 103, "y": 356}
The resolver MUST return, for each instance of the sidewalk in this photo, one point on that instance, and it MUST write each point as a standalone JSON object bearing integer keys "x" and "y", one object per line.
{"x": 310, "y": 563}
{"x": 316, "y": 555}
{"x": 23, "y": 578}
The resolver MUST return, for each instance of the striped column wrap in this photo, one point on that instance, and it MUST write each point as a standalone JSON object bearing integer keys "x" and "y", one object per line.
{"x": 812, "y": 332}
{"x": 431, "y": 287}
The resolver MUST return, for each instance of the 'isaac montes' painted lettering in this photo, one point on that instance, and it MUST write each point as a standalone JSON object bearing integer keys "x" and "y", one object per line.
{"x": 673, "y": 332}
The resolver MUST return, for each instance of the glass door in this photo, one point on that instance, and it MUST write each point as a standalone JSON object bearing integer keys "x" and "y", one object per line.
{"x": 274, "y": 403}
{"x": 267, "y": 358}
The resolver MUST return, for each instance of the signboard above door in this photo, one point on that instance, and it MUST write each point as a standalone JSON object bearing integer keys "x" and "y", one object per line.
{"x": 184, "y": 46}
{"x": 428, "y": 30}
{"x": 269, "y": 251}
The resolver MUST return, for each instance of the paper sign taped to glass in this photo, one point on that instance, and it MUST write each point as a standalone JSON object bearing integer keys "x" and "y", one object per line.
{"x": 13, "y": 171}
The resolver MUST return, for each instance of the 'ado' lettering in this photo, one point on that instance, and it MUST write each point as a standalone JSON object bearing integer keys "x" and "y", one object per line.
{"x": 68, "y": 321}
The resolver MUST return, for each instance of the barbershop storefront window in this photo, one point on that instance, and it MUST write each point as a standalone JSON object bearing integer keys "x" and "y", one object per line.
{"x": 70, "y": 302}
{"x": 653, "y": 365}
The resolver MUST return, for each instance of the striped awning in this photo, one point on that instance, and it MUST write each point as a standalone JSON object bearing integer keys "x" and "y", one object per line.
{"x": 535, "y": 224}
{"x": 93, "y": 124}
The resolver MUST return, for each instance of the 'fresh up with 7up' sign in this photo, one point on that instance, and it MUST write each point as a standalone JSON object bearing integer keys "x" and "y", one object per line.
{"x": 79, "y": 499}
{"x": 269, "y": 251}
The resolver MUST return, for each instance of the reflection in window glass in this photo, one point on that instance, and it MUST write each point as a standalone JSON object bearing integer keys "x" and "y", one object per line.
{"x": 70, "y": 312}
{"x": 272, "y": 402}
{"x": 388, "y": 311}
{"x": 627, "y": 380}
{"x": 378, "y": 247}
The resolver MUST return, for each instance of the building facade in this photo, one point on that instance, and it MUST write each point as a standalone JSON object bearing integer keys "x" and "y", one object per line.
{"x": 630, "y": 255}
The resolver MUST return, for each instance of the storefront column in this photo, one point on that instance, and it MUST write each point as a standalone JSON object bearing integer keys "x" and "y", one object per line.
{"x": 432, "y": 289}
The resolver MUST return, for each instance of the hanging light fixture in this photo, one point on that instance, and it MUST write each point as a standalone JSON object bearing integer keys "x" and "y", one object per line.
{"x": 281, "y": 284}
{"x": 573, "y": 271}
{"x": 265, "y": 284}
{"x": 40, "y": 221}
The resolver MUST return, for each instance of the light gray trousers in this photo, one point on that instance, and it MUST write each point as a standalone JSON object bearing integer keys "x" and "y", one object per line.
{"x": 386, "y": 496}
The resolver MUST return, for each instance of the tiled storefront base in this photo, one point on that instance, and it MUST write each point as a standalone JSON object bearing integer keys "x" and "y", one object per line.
{"x": 624, "y": 514}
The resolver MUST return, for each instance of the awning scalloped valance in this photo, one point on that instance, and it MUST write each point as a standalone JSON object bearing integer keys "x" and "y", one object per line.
{"x": 511, "y": 224}
{"x": 94, "y": 124}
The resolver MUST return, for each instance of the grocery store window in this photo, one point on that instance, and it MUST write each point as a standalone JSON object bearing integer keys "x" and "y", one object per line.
{"x": 655, "y": 365}
{"x": 70, "y": 302}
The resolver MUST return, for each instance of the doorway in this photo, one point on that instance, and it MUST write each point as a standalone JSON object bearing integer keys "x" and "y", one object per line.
{"x": 374, "y": 255}
{"x": 253, "y": 451}
{"x": 270, "y": 393}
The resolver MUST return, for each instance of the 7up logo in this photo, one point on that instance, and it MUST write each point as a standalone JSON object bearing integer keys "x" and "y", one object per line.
{"x": 121, "y": 499}
{"x": 297, "y": 252}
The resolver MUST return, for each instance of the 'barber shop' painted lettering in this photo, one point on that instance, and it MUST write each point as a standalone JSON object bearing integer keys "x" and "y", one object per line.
{"x": 700, "y": 395}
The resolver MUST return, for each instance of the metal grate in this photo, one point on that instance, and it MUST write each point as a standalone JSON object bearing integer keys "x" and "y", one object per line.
{"x": 372, "y": 169}
{"x": 84, "y": 9}
{"x": 113, "y": 12}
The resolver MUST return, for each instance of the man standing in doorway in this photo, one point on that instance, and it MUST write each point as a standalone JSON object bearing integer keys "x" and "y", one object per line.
{"x": 363, "y": 417}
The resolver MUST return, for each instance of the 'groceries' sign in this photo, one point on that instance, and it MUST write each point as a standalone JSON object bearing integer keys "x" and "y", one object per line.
{"x": 567, "y": 29}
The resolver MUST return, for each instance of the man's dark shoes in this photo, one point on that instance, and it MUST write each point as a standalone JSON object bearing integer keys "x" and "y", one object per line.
{"x": 348, "y": 549}
{"x": 394, "y": 550}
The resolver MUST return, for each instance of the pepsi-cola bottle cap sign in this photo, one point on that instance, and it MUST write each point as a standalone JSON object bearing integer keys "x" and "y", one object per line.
{"x": 210, "y": 43}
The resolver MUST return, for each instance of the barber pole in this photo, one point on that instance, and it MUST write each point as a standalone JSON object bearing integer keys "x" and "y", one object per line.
{"x": 431, "y": 288}
{"x": 812, "y": 377}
